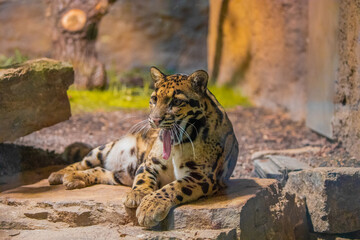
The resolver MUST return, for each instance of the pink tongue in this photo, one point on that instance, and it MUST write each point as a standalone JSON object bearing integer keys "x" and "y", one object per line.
{"x": 166, "y": 144}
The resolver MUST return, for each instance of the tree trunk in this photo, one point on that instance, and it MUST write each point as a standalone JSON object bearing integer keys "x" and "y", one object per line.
{"x": 74, "y": 35}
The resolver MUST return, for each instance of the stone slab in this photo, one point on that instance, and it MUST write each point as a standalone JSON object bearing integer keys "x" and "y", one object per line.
{"x": 332, "y": 197}
{"x": 255, "y": 208}
{"x": 115, "y": 232}
{"x": 277, "y": 167}
{"x": 33, "y": 96}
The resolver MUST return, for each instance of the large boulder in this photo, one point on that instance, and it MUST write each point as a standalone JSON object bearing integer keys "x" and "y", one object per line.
{"x": 332, "y": 197}
{"x": 248, "y": 209}
{"x": 33, "y": 96}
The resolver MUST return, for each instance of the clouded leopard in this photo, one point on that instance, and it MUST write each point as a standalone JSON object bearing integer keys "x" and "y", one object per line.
{"x": 185, "y": 150}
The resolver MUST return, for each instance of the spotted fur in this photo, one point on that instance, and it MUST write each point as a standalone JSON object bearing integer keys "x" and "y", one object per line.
{"x": 202, "y": 159}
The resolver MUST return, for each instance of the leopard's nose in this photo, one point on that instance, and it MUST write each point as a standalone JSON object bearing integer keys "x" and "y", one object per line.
{"x": 156, "y": 121}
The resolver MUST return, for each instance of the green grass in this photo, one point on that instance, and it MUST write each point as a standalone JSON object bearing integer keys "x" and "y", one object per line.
{"x": 137, "y": 98}
{"x": 108, "y": 100}
{"x": 6, "y": 61}
{"x": 229, "y": 97}
{"x": 118, "y": 96}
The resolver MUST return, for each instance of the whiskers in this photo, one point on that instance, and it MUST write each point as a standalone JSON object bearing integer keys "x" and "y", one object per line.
{"x": 139, "y": 127}
{"x": 177, "y": 132}
{"x": 182, "y": 131}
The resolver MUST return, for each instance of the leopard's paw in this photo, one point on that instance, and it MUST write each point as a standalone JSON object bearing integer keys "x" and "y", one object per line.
{"x": 152, "y": 210}
{"x": 133, "y": 198}
{"x": 73, "y": 181}
{"x": 56, "y": 178}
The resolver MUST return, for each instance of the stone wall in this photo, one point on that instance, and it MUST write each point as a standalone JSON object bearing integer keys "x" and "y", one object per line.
{"x": 135, "y": 33}
{"x": 322, "y": 64}
{"x": 333, "y": 95}
{"x": 261, "y": 45}
{"x": 346, "y": 121}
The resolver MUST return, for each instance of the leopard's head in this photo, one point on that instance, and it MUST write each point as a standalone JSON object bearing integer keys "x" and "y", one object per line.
{"x": 176, "y": 97}
{"x": 176, "y": 102}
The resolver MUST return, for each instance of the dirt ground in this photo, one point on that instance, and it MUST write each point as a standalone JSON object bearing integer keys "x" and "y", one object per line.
{"x": 256, "y": 129}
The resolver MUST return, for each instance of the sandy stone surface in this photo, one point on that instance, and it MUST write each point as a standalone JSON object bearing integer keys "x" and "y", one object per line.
{"x": 107, "y": 232}
{"x": 42, "y": 209}
{"x": 346, "y": 122}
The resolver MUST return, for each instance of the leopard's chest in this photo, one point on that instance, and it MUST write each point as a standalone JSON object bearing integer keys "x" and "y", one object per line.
{"x": 175, "y": 166}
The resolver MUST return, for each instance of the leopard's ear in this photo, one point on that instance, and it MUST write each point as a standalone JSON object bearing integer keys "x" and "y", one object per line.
{"x": 156, "y": 74}
{"x": 199, "y": 80}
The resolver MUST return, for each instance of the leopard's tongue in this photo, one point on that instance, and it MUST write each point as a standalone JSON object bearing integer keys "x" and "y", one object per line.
{"x": 166, "y": 144}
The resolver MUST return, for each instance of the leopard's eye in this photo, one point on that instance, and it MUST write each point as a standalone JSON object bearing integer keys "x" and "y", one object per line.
{"x": 153, "y": 99}
{"x": 177, "y": 102}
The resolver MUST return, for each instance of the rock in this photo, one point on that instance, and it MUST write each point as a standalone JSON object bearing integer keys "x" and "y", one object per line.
{"x": 332, "y": 197}
{"x": 324, "y": 236}
{"x": 27, "y": 177}
{"x": 345, "y": 122}
{"x": 24, "y": 165}
{"x": 261, "y": 45}
{"x": 33, "y": 96}
{"x": 256, "y": 207}
{"x": 248, "y": 209}
{"x": 17, "y": 159}
{"x": 277, "y": 167}
{"x": 115, "y": 232}
{"x": 88, "y": 233}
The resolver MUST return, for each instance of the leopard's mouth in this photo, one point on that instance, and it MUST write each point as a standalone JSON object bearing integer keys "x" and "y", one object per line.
{"x": 167, "y": 142}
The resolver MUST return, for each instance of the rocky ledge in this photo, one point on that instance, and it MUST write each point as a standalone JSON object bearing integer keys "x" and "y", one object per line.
{"x": 33, "y": 96}
{"x": 332, "y": 198}
{"x": 247, "y": 209}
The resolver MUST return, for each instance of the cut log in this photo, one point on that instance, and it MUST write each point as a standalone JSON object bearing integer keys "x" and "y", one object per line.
{"x": 75, "y": 28}
{"x": 74, "y": 20}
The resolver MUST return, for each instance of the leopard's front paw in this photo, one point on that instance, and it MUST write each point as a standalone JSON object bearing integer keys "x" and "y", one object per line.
{"x": 73, "y": 181}
{"x": 56, "y": 178}
{"x": 152, "y": 210}
{"x": 133, "y": 198}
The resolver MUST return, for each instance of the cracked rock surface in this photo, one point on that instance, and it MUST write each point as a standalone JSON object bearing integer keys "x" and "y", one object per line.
{"x": 247, "y": 209}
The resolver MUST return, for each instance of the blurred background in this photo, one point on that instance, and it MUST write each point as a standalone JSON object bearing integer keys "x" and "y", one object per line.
{"x": 74, "y": 74}
{"x": 286, "y": 71}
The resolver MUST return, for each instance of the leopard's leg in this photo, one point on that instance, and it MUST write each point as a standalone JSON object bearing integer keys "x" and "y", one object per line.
{"x": 120, "y": 165}
{"x": 93, "y": 159}
{"x": 97, "y": 175}
{"x": 155, "y": 207}
{"x": 145, "y": 182}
